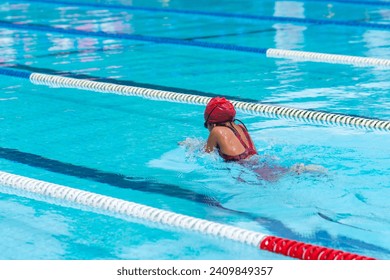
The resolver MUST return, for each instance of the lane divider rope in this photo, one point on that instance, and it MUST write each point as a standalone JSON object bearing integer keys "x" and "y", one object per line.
{"x": 329, "y": 58}
{"x": 267, "y": 110}
{"x": 270, "y": 52}
{"x": 115, "y": 206}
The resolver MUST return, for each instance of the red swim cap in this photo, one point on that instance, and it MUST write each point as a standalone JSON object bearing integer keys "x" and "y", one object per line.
{"x": 219, "y": 110}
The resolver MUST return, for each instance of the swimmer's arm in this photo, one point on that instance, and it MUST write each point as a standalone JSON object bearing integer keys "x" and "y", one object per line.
{"x": 212, "y": 142}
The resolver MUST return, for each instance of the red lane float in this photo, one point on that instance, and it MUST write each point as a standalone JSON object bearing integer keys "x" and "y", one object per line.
{"x": 303, "y": 251}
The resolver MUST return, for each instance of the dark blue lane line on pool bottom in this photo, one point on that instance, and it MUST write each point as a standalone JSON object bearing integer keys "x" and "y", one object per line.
{"x": 135, "y": 37}
{"x": 140, "y": 184}
{"x": 83, "y": 51}
{"x": 118, "y": 180}
{"x": 233, "y": 34}
{"x": 221, "y": 14}
{"x": 133, "y": 183}
{"x": 27, "y": 70}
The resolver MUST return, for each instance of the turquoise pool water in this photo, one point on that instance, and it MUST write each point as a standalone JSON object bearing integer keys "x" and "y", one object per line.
{"x": 126, "y": 147}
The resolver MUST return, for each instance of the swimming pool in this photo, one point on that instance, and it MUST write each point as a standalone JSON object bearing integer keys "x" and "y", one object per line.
{"x": 126, "y": 146}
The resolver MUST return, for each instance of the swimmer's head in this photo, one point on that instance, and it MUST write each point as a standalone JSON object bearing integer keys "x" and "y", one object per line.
{"x": 219, "y": 110}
